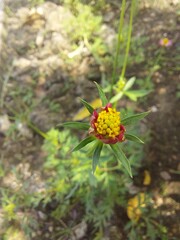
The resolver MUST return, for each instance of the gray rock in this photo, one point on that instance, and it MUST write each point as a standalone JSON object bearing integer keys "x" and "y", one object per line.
{"x": 165, "y": 175}
{"x": 4, "y": 123}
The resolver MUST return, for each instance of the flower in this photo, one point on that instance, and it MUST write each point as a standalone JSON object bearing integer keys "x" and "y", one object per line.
{"x": 121, "y": 84}
{"x": 147, "y": 178}
{"x": 135, "y": 205}
{"x": 165, "y": 42}
{"x": 106, "y": 126}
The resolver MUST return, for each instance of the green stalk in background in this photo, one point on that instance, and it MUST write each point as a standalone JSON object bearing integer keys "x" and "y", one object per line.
{"x": 121, "y": 21}
{"x": 129, "y": 40}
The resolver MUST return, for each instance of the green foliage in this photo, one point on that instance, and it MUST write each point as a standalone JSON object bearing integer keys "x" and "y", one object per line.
{"x": 36, "y": 2}
{"x": 148, "y": 226}
{"x": 96, "y": 155}
{"x": 8, "y": 206}
{"x": 52, "y": 105}
{"x": 70, "y": 181}
{"x": 84, "y": 24}
{"x": 121, "y": 157}
{"x": 75, "y": 125}
{"x": 13, "y": 202}
{"x": 83, "y": 143}
{"x": 88, "y": 106}
{"x": 178, "y": 91}
{"x": 24, "y": 96}
{"x": 101, "y": 95}
{"x": 73, "y": 180}
{"x": 132, "y": 119}
{"x": 84, "y": 27}
{"x": 133, "y": 138}
{"x": 137, "y": 50}
{"x": 122, "y": 87}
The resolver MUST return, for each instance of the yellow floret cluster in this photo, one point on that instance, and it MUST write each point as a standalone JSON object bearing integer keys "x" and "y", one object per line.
{"x": 108, "y": 123}
{"x": 165, "y": 41}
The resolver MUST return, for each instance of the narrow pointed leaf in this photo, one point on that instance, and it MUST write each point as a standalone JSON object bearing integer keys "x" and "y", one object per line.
{"x": 84, "y": 113}
{"x": 133, "y": 138}
{"x": 75, "y": 125}
{"x": 96, "y": 155}
{"x": 121, "y": 157}
{"x": 134, "y": 118}
{"x": 101, "y": 95}
{"x": 116, "y": 97}
{"x": 129, "y": 83}
{"x": 135, "y": 94}
{"x": 87, "y": 105}
{"x": 83, "y": 143}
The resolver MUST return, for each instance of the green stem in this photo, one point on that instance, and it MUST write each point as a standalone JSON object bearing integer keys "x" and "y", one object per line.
{"x": 44, "y": 135}
{"x": 109, "y": 169}
{"x": 129, "y": 39}
{"x": 121, "y": 21}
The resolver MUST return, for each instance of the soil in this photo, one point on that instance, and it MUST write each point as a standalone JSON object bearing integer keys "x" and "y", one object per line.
{"x": 28, "y": 54}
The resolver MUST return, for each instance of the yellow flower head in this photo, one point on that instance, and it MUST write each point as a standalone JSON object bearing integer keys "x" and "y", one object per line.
{"x": 135, "y": 205}
{"x": 165, "y": 42}
{"x": 108, "y": 123}
{"x": 106, "y": 126}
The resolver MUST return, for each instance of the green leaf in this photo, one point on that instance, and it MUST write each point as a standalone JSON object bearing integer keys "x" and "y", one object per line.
{"x": 101, "y": 95}
{"x": 75, "y": 125}
{"x": 72, "y": 191}
{"x": 129, "y": 83}
{"x": 88, "y": 106}
{"x": 92, "y": 179}
{"x": 121, "y": 157}
{"x": 83, "y": 143}
{"x": 134, "y": 94}
{"x": 96, "y": 155}
{"x": 134, "y": 118}
{"x": 116, "y": 97}
{"x": 133, "y": 138}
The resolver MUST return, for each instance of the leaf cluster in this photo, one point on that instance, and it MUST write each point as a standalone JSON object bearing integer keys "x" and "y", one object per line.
{"x": 71, "y": 179}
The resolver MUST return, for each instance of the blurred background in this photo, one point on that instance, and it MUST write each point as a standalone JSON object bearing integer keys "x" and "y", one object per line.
{"x": 51, "y": 52}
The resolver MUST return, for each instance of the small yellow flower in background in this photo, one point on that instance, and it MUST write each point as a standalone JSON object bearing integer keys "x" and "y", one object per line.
{"x": 135, "y": 205}
{"x": 121, "y": 84}
{"x": 147, "y": 178}
{"x": 15, "y": 233}
{"x": 9, "y": 209}
{"x": 165, "y": 42}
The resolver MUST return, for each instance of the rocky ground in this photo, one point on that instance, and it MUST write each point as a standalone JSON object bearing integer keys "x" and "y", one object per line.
{"x": 43, "y": 75}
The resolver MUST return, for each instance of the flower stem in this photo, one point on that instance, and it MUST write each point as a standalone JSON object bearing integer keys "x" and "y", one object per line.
{"x": 129, "y": 39}
{"x": 109, "y": 169}
{"x": 42, "y": 134}
{"x": 115, "y": 65}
